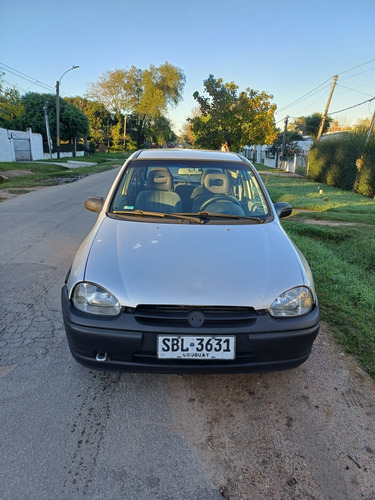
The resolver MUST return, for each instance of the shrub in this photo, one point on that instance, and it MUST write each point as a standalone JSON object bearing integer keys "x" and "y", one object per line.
{"x": 366, "y": 183}
{"x": 333, "y": 161}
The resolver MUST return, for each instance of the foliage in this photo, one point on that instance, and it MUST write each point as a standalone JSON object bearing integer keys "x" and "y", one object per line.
{"x": 366, "y": 182}
{"x": 291, "y": 147}
{"x": 117, "y": 133}
{"x": 11, "y": 107}
{"x": 73, "y": 123}
{"x": 187, "y": 135}
{"x": 159, "y": 131}
{"x": 111, "y": 90}
{"x": 309, "y": 125}
{"x": 144, "y": 94}
{"x": 100, "y": 120}
{"x": 231, "y": 117}
{"x": 362, "y": 126}
{"x": 333, "y": 161}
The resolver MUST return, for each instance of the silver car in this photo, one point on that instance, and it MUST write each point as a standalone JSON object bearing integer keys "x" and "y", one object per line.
{"x": 188, "y": 270}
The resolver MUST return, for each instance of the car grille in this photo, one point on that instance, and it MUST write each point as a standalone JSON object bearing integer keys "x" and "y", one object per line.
{"x": 214, "y": 316}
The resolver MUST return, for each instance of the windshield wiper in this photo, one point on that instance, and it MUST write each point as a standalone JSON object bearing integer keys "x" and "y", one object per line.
{"x": 197, "y": 218}
{"x": 160, "y": 214}
{"x": 204, "y": 215}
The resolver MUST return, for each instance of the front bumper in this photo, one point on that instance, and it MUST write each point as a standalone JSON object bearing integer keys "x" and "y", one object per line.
{"x": 263, "y": 343}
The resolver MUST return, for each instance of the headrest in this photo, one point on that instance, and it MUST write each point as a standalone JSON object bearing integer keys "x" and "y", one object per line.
{"x": 217, "y": 183}
{"x": 209, "y": 171}
{"x": 160, "y": 180}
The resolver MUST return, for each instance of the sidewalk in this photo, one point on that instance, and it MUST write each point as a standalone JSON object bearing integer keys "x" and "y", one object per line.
{"x": 72, "y": 163}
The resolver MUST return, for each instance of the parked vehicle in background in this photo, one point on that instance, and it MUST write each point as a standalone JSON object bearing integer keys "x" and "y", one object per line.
{"x": 187, "y": 269}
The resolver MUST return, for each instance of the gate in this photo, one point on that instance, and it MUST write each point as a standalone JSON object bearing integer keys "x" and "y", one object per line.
{"x": 22, "y": 149}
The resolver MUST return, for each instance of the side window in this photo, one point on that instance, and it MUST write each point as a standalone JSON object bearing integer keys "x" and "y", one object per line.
{"x": 132, "y": 183}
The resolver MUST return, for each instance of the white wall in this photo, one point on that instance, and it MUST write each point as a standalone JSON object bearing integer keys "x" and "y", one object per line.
{"x": 47, "y": 156}
{"x": 36, "y": 141}
{"x": 6, "y": 147}
{"x": 9, "y": 140}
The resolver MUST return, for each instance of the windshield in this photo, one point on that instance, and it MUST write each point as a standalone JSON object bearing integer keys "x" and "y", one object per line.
{"x": 203, "y": 188}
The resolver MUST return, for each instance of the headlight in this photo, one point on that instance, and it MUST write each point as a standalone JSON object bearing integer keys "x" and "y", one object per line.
{"x": 93, "y": 299}
{"x": 294, "y": 302}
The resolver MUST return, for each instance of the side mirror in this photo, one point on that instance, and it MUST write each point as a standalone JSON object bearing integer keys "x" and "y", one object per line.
{"x": 282, "y": 209}
{"x": 94, "y": 204}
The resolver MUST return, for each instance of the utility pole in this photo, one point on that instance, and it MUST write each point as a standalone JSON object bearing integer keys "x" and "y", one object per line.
{"x": 125, "y": 117}
{"x": 58, "y": 83}
{"x": 45, "y": 109}
{"x": 283, "y": 143}
{"x": 324, "y": 116}
{"x": 58, "y": 118}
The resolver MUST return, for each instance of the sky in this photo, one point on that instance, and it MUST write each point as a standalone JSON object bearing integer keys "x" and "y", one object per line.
{"x": 290, "y": 49}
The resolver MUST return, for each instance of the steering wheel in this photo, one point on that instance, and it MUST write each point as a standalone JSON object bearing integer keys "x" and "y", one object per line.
{"x": 215, "y": 199}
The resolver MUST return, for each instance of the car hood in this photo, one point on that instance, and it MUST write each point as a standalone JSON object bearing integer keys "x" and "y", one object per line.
{"x": 193, "y": 264}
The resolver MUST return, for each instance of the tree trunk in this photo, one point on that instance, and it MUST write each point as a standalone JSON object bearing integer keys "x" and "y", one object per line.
{"x": 141, "y": 131}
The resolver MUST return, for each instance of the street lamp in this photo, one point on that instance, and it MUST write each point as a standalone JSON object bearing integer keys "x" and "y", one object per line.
{"x": 58, "y": 110}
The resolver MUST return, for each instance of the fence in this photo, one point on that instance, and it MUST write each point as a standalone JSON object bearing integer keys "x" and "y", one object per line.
{"x": 297, "y": 166}
{"x": 262, "y": 154}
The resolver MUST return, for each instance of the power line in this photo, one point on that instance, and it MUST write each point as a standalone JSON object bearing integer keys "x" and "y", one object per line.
{"x": 308, "y": 94}
{"x": 353, "y": 90}
{"x": 34, "y": 81}
{"x": 357, "y": 74}
{"x": 351, "y": 107}
{"x": 355, "y": 67}
{"x": 315, "y": 90}
{"x": 30, "y": 79}
{"x": 301, "y": 111}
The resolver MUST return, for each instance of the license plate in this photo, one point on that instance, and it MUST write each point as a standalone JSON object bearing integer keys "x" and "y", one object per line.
{"x": 189, "y": 347}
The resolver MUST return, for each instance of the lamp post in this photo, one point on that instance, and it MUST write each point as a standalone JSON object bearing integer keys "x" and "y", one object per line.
{"x": 58, "y": 110}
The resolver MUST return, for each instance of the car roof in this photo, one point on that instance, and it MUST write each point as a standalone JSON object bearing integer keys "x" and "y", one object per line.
{"x": 186, "y": 154}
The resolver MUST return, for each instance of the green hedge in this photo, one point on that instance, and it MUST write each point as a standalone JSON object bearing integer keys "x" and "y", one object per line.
{"x": 333, "y": 162}
{"x": 366, "y": 184}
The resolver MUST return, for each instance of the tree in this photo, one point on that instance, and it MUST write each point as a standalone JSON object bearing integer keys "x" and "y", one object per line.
{"x": 145, "y": 94}
{"x": 232, "y": 118}
{"x": 309, "y": 125}
{"x": 291, "y": 147}
{"x": 100, "y": 120}
{"x": 73, "y": 123}
{"x": 111, "y": 90}
{"x": 187, "y": 135}
{"x": 363, "y": 126}
{"x": 11, "y": 107}
{"x": 160, "y": 132}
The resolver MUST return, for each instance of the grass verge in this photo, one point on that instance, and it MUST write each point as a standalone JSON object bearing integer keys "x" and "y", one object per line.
{"x": 342, "y": 257}
{"x": 46, "y": 173}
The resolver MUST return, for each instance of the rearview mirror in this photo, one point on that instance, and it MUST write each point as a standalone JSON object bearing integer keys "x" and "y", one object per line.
{"x": 282, "y": 209}
{"x": 94, "y": 204}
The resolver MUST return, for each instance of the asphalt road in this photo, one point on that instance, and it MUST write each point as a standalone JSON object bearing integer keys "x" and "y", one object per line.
{"x": 70, "y": 433}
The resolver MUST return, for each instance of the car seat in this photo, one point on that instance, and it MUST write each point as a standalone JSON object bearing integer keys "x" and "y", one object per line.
{"x": 216, "y": 196}
{"x": 159, "y": 196}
